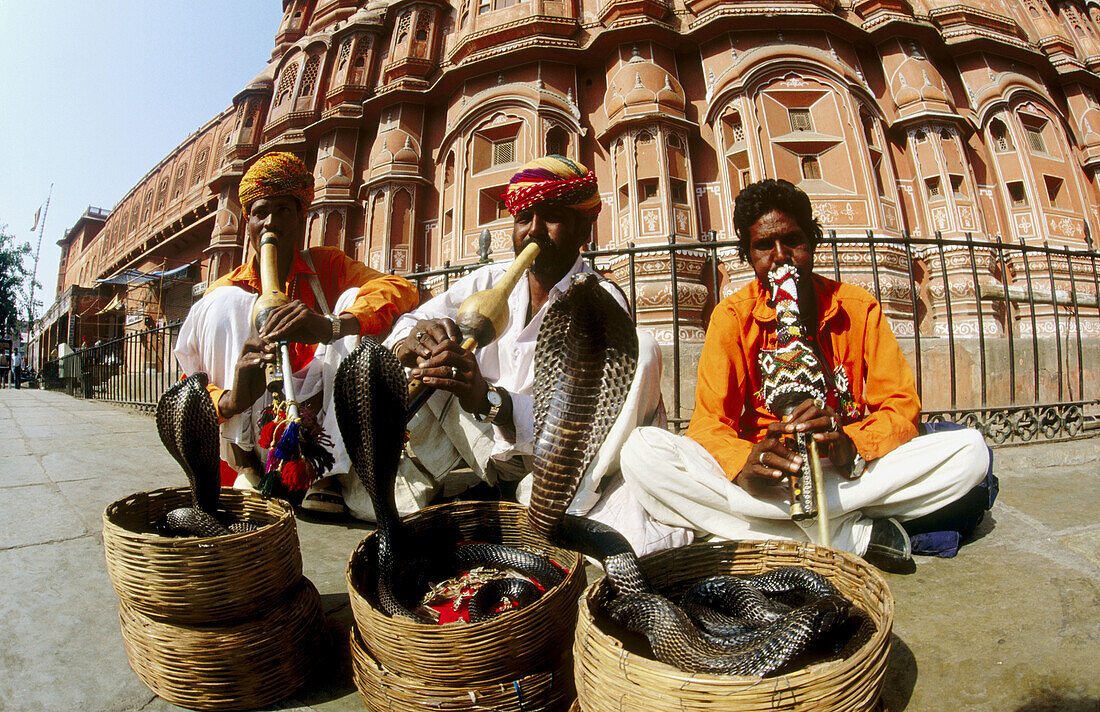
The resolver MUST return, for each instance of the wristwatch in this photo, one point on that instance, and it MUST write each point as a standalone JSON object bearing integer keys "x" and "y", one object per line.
{"x": 857, "y": 467}
{"x": 495, "y": 396}
{"x": 335, "y": 321}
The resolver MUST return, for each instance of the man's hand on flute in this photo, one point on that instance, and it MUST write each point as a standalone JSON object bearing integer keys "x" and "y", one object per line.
{"x": 771, "y": 462}
{"x": 433, "y": 350}
{"x": 248, "y": 376}
{"x": 295, "y": 322}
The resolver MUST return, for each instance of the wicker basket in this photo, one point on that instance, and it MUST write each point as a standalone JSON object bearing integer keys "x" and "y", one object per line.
{"x": 550, "y": 690}
{"x": 232, "y": 667}
{"x": 507, "y": 647}
{"x": 200, "y": 579}
{"x": 611, "y": 679}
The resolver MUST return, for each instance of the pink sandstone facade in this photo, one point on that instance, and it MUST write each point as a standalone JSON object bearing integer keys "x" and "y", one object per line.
{"x": 953, "y": 117}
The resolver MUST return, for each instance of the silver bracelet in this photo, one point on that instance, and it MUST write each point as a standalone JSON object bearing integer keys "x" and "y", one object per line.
{"x": 335, "y": 321}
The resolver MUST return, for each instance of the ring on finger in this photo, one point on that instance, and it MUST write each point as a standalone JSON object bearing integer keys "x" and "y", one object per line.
{"x": 832, "y": 421}
{"x": 454, "y": 372}
{"x": 761, "y": 458}
{"x": 419, "y": 336}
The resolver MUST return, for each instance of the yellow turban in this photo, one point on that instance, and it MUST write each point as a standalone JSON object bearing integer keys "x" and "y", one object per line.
{"x": 277, "y": 174}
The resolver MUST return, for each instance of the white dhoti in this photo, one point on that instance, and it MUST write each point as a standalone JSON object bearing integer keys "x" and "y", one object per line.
{"x": 442, "y": 437}
{"x": 680, "y": 484}
{"x": 210, "y": 342}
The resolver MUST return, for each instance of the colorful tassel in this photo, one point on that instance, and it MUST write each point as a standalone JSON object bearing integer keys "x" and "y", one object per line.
{"x": 297, "y": 454}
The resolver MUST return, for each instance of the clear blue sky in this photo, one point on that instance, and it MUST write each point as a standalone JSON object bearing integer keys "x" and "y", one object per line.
{"x": 93, "y": 93}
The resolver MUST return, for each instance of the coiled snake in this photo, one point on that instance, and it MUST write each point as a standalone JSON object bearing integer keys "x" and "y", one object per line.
{"x": 586, "y": 355}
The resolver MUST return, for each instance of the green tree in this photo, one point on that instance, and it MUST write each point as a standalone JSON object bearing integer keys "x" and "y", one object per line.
{"x": 14, "y": 278}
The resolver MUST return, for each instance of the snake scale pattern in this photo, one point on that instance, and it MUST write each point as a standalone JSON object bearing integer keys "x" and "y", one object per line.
{"x": 585, "y": 361}
{"x": 188, "y": 426}
{"x": 370, "y": 395}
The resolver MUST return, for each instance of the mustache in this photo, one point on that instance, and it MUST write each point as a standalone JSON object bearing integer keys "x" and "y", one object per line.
{"x": 544, "y": 243}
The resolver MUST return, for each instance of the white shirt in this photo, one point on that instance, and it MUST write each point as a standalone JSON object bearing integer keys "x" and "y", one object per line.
{"x": 508, "y": 362}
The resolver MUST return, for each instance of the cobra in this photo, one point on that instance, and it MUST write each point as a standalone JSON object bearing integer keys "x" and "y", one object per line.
{"x": 370, "y": 394}
{"x": 188, "y": 426}
{"x": 586, "y": 357}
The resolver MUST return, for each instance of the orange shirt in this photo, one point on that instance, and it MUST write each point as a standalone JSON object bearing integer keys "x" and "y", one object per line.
{"x": 853, "y": 336}
{"x": 381, "y": 299}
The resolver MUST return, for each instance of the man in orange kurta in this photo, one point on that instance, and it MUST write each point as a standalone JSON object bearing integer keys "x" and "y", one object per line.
{"x": 729, "y": 476}
{"x": 334, "y": 301}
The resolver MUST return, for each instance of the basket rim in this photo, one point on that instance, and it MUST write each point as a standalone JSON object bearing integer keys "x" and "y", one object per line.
{"x": 279, "y": 508}
{"x": 758, "y": 547}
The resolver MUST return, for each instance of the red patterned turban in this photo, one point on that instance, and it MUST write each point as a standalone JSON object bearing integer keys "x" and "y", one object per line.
{"x": 277, "y": 174}
{"x": 554, "y": 180}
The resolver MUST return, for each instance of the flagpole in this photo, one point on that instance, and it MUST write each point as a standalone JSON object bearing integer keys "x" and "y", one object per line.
{"x": 34, "y": 271}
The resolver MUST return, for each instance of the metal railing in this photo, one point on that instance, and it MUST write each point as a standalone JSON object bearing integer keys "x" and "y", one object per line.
{"x": 132, "y": 370}
{"x": 1011, "y": 346}
{"x": 1001, "y": 337}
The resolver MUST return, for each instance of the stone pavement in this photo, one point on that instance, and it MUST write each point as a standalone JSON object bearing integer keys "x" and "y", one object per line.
{"x": 1010, "y": 624}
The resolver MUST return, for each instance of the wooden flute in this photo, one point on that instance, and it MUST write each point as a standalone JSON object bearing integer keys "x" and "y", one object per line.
{"x": 481, "y": 318}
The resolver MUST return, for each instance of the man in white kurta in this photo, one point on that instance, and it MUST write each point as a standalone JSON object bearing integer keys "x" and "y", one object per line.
{"x": 334, "y": 300}
{"x": 483, "y": 414}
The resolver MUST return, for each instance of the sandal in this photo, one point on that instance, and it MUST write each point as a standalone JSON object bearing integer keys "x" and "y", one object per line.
{"x": 325, "y": 496}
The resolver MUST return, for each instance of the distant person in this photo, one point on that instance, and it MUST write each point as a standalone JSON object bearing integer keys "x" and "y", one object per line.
{"x": 17, "y": 368}
{"x": 5, "y": 368}
{"x": 728, "y": 476}
{"x": 219, "y": 339}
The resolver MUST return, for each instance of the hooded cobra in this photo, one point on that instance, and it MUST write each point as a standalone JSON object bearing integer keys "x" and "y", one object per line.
{"x": 586, "y": 355}
{"x": 370, "y": 395}
{"x": 585, "y": 360}
{"x": 188, "y": 427}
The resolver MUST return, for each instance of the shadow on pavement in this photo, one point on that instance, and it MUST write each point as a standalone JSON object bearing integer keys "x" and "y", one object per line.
{"x": 900, "y": 677}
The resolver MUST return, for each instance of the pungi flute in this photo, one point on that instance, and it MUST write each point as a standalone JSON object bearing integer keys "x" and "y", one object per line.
{"x": 481, "y": 317}
{"x": 271, "y": 298}
{"x": 808, "y": 485}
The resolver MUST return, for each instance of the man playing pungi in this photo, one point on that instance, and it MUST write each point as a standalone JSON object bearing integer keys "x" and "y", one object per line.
{"x": 729, "y": 476}
{"x": 483, "y": 413}
{"x": 334, "y": 301}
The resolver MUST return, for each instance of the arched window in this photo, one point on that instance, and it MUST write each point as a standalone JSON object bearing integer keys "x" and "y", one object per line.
{"x": 199, "y": 172}
{"x": 181, "y": 178}
{"x": 286, "y": 83}
{"x": 345, "y": 53}
{"x": 1001, "y": 140}
{"x": 309, "y": 76}
{"x": 449, "y": 170}
{"x": 557, "y": 141}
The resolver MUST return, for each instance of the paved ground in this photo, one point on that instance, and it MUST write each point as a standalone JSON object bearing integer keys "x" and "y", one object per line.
{"x": 1010, "y": 624}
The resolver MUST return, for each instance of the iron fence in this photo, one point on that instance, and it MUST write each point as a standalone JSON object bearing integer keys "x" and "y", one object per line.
{"x": 1002, "y": 337}
{"x": 132, "y": 370}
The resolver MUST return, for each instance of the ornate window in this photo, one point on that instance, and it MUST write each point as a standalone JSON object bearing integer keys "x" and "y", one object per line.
{"x": 504, "y": 151}
{"x": 1001, "y": 141}
{"x": 181, "y": 178}
{"x": 933, "y": 186}
{"x": 309, "y": 76}
{"x": 286, "y": 83}
{"x": 199, "y": 171}
{"x": 1035, "y": 140}
{"x": 557, "y": 141}
{"x": 801, "y": 119}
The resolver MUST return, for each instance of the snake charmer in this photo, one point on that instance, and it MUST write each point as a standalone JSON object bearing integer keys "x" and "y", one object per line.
{"x": 889, "y": 491}
{"x": 334, "y": 300}
{"x": 481, "y": 419}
